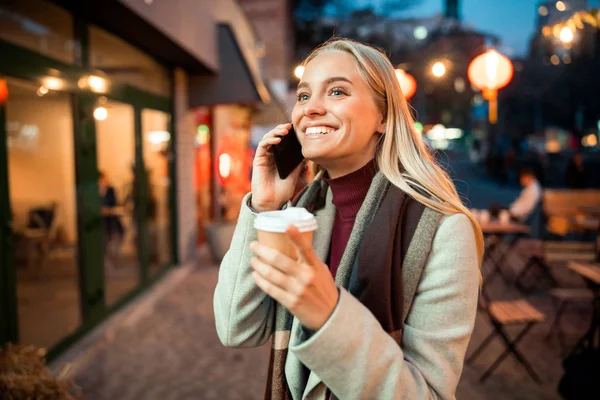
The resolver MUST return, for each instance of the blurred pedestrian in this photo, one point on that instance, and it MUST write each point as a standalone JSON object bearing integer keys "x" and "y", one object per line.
{"x": 383, "y": 305}
{"x": 529, "y": 198}
{"x": 576, "y": 173}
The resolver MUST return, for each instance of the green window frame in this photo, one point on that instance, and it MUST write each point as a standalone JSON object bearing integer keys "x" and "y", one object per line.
{"x": 19, "y": 62}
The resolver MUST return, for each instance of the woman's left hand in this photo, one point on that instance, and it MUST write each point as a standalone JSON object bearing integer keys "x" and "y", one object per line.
{"x": 305, "y": 287}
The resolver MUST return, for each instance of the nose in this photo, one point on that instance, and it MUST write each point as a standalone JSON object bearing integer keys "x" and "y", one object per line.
{"x": 314, "y": 107}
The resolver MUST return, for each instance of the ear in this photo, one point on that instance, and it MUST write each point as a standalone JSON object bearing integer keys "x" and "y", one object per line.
{"x": 381, "y": 127}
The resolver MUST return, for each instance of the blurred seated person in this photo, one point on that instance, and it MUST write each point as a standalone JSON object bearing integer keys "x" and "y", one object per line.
{"x": 576, "y": 173}
{"x": 113, "y": 230}
{"x": 529, "y": 199}
{"x": 530, "y": 196}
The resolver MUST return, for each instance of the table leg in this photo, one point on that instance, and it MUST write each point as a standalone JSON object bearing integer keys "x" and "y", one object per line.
{"x": 497, "y": 264}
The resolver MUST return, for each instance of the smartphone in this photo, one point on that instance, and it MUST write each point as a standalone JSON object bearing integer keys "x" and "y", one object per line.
{"x": 288, "y": 154}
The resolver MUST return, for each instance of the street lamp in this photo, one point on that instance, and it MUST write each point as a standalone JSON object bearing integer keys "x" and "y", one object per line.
{"x": 420, "y": 32}
{"x": 566, "y": 35}
{"x": 439, "y": 69}
{"x": 490, "y": 72}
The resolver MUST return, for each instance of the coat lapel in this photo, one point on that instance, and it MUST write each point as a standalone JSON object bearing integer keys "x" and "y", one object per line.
{"x": 322, "y": 236}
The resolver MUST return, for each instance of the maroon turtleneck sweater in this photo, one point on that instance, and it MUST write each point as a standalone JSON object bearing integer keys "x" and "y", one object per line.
{"x": 349, "y": 192}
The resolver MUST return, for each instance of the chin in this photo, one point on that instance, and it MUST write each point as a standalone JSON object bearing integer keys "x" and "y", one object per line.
{"x": 314, "y": 154}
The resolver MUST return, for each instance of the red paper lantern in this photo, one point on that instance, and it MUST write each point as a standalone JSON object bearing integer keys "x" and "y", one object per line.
{"x": 408, "y": 84}
{"x": 3, "y": 91}
{"x": 490, "y": 72}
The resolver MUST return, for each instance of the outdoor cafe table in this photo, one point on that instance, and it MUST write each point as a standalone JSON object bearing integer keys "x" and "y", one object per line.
{"x": 500, "y": 230}
{"x": 590, "y": 272}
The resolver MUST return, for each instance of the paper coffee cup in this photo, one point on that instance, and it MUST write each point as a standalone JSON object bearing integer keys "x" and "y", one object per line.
{"x": 271, "y": 227}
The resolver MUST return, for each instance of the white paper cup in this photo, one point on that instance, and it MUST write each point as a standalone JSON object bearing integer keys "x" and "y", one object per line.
{"x": 271, "y": 227}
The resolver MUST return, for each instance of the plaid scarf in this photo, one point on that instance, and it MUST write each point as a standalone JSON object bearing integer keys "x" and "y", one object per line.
{"x": 387, "y": 221}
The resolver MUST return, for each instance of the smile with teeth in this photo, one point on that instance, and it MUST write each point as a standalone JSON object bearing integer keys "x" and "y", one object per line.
{"x": 318, "y": 130}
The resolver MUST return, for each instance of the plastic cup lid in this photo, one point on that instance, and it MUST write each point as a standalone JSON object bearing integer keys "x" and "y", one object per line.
{"x": 278, "y": 221}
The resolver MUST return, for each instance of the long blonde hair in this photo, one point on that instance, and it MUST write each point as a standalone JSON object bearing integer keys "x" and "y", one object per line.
{"x": 402, "y": 155}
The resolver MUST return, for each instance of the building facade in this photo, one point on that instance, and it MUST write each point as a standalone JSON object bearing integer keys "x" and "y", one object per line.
{"x": 107, "y": 109}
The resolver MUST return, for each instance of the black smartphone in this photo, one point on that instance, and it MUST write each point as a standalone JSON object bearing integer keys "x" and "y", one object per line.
{"x": 288, "y": 154}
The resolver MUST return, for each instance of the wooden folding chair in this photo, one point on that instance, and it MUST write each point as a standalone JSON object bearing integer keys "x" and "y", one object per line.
{"x": 502, "y": 314}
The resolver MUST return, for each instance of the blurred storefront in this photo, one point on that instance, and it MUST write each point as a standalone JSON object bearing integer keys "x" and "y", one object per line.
{"x": 114, "y": 120}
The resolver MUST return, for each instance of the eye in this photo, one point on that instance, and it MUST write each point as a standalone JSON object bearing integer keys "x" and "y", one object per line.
{"x": 337, "y": 92}
{"x": 302, "y": 97}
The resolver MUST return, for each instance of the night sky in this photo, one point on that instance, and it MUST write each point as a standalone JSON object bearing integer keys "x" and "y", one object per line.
{"x": 511, "y": 20}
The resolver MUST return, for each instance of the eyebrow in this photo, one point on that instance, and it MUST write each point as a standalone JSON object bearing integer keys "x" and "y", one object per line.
{"x": 328, "y": 81}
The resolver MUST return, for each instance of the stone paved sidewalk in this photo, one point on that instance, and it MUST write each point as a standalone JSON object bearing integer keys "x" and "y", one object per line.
{"x": 164, "y": 346}
{"x": 167, "y": 348}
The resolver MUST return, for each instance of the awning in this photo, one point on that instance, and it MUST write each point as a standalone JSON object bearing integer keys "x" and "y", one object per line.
{"x": 125, "y": 23}
{"x": 235, "y": 83}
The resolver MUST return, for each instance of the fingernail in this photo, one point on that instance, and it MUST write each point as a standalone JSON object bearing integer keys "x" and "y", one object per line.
{"x": 252, "y": 246}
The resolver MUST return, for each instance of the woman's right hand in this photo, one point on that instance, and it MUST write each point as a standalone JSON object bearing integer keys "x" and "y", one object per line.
{"x": 269, "y": 192}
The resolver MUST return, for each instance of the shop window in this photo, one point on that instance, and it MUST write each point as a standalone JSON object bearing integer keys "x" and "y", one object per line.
{"x": 156, "y": 148}
{"x": 125, "y": 63}
{"x": 41, "y": 165}
{"x": 115, "y": 138}
{"x": 39, "y": 26}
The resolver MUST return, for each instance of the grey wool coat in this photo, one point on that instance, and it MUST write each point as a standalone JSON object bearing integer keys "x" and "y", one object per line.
{"x": 351, "y": 354}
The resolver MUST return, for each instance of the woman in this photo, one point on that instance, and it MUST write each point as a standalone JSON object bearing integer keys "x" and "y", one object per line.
{"x": 405, "y": 253}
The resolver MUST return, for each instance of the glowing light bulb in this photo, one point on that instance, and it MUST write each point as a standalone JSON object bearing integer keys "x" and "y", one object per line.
{"x": 100, "y": 113}
{"x": 438, "y": 69}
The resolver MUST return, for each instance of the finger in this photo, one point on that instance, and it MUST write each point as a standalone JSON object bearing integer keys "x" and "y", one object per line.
{"x": 265, "y": 145}
{"x": 285, "y": 126}
{"x": 261, "y": 150}
{"x": 269, "y": 140}
{"x": 270, "y": 273}
{"x": 278, "y": 294}
{"x": 274, "y": 258}
{"x": 272, "y": 140}
{"x": 307, "y": 253}
{"x": 279, "y": 131}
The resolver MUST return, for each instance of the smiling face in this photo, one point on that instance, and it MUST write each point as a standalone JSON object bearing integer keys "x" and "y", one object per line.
{"x": 335, "y": 117}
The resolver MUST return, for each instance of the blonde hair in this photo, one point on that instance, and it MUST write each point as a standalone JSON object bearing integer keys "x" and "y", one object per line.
{"x": 402, "y": 155}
